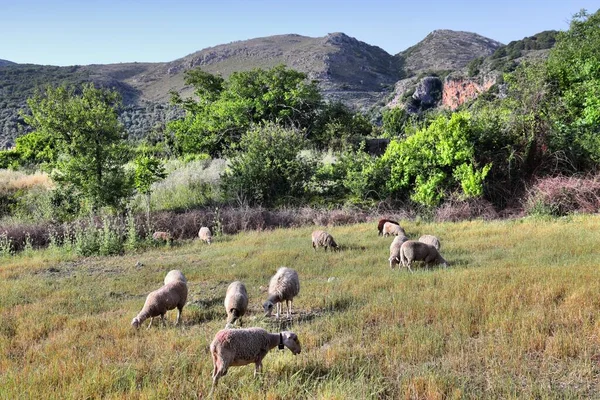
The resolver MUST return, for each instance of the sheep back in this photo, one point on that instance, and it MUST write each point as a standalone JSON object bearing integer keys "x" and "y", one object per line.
{"x": 382, "y": 222}
{"x": 393, "y": 229}
{"x": 412, "y": 250}
{"x": 284, "y": 285}
{"x": 205, "y": 234}
{"x": 431, "y": 240}
{"x": 174, "y": 276}
{"x": 236, "y": 301}
{"x": 395, "y": 250}
{"x": 323, "y": 239}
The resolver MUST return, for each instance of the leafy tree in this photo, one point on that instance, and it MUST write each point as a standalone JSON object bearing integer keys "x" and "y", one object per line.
{"x": 225, "y": 109}
{"x": 266, "y": 167}
{"x": 394, "y": 121}
{"x": 148, "y": 170}
{"x": 78, "y": 136}
{"x": 435, "y": 160}
{"x": 337, "y": 127}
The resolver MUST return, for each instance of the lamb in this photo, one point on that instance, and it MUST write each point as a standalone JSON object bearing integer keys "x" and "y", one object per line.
{"x": 237, "y": 347}
{"x": 174, "y": 276}
{"x": 205, "y": 235}
{"x": 395, "y": 250}
{"x": 324, "y": 239}
{"x": 393, "y": 229}
{"x": 432, "y": 240}
{"x": 236, "y": 302}
{"x": 284, "y": 285}
{"x": 412, "y": 250}
{"x": 161, "y": 235}
{"x": 171, "y": 295}
{"x": 382, "y": 222}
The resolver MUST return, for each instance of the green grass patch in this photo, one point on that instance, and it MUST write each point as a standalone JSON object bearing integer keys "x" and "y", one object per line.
{"x": 515, "y": 316}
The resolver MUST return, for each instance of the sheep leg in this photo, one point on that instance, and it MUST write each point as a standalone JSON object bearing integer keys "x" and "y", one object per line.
{"x": 257, "y": 367}
{"x": 150, "y": 324}
{"x": 408, "y": 265}
{"x": 179, "y": 311}
{"x": 278, "y": 309}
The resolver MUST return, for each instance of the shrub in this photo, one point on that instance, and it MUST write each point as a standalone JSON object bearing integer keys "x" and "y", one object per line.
{"x": 562, "y": 195}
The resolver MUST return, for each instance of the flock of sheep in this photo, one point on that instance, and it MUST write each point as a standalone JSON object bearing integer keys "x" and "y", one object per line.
{"x": 236, "y": 347}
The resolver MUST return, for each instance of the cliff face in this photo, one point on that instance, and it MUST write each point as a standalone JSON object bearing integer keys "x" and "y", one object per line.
{"x": 457, "y": 91}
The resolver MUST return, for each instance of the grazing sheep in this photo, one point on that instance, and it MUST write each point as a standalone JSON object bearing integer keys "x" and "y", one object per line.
{"x": 382, "y": 222}
{"x": 237, "y": 347}
{"x": 431, "y": 240}
{"x": 284, "y": 285}
{"x": 412, "y": 250}
{"x": 395, "y": 250}
{"x": 170, "y": 296}
{"x": 205, "y": 235}
{"x": 393, "y": 229}
{"x": 324, "y": 239}
{"x": 236, "y": 302}
{"x": 163, "y": 236}
{"x": 174, "y": 276}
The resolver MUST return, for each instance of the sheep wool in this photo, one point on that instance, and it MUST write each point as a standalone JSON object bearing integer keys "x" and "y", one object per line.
{"x": 205, "y": 235}
{"x": 395, "y": 250}
{"x": 237, "y": 347}
{"x": 170, "y": 296}
{"x": 382, "y": 222}
{"x": 174, "y": 276}
{"x": 323, "y": 239}
{"x": 236, "y": 302}
{"x": 431, "y": 240}
{"x": 393, "y": 229}
{"x": 284, "y": 285}
{"x": 412, "y": 250}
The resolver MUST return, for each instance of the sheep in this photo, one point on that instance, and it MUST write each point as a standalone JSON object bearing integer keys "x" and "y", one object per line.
{"x": 393, "y": 229}
{"x": 236, "y": 302}
{"x": 395, "y": 250}
{"x": 324, "y": 239}
{"x": 205, "y": 235}
{"x": 432, "y": 240}
{"x": 382, "y": 222}
{"x": 237, "y": 347}
{"x": 412, "y": 250}
{"x": 172, "y": 295}
{"x": 163, "y": 236}
{"x": 284, "y": 285}
{"x": 175, "y": 275}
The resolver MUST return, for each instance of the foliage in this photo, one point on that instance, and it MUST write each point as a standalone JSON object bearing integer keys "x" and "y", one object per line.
{"x": 225, "y": 109}
{"x": 266, "y": 167}
{"x": 434, "y": 160}
{"x": 394, "y": 121}
{"x": 337, "y": 127}
{"x": 81, "y": 141}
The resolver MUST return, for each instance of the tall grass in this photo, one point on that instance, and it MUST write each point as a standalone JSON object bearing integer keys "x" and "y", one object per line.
{"x": 515, "y": 316}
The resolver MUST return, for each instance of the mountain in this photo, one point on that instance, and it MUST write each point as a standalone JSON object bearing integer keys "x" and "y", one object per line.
{"x": 6, "y": 62}
{"x": 359, "y": 74}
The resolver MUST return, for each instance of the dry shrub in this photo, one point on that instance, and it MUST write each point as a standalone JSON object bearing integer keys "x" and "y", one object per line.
{"x": 11, "y": 181}
{"x": 459, "y": 210}
{"x": 18, "y": 234}
{"x": 562, "y": 195}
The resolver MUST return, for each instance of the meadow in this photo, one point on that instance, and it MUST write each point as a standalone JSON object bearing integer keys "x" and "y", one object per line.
{"x": 515, "y": 316}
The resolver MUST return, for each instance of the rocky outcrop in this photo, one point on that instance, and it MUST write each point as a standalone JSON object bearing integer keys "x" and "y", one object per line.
{"x": 458, "y": 91}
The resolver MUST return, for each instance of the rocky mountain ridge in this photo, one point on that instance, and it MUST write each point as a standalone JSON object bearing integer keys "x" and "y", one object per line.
{"x": 361, "y": 75}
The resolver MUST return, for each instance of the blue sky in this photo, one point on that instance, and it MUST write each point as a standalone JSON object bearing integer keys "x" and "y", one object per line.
{"x": 110, "y": 31}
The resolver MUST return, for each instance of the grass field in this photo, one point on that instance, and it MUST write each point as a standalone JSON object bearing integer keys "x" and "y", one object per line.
{"x": 515, "y": 316}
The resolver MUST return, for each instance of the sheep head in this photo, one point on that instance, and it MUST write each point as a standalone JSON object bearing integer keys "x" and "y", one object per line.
{"x": 290, "y": 340}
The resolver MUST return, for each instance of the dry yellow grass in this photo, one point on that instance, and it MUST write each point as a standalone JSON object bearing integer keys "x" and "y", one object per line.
{"x": 11, "y": 181}
{"x": 516, "y": 316}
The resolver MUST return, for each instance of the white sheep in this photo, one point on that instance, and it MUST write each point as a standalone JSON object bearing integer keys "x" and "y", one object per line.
{"x": 431, "y": 240}
{"x": 163, "y": 236}
{"x": 236, "y": 302}
{"x": 393, "y": 229}
{"x": 205, "y": 235}
{"x": 174, "y": 276}
{"x": 323, "y": 239}
{"x": 395, "y": 250}
{"x": 412, "y": 250}
{"x": 170, "y": 296}
{"x": 237, "y": 347}
{"x": 284, "y": 285}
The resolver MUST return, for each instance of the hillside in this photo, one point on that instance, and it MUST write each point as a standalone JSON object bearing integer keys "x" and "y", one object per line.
{"x": 354, "y": 72}
{"x": 6, "y": 62}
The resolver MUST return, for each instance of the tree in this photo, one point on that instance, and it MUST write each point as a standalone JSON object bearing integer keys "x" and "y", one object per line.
{"x": 148, "y": 170}
{"x": 223, "y": 109}
{"x": 79, "y": 137}
{"x": 266, "y": 167}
